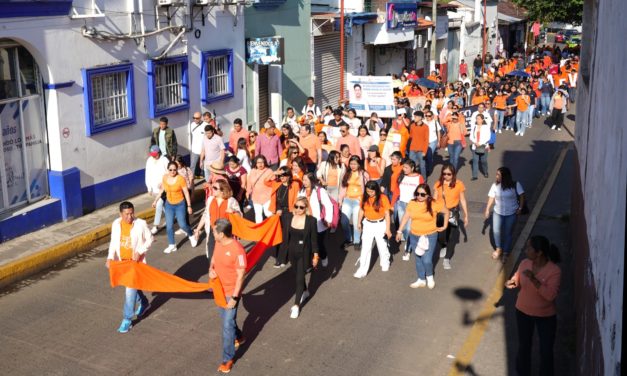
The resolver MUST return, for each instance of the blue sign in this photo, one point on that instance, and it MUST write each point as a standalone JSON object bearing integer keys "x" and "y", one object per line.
{"x": 402, "y": 15}
{"x": 264, "y": 51}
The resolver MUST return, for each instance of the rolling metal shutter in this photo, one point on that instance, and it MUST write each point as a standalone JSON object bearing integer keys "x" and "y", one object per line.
{"x": 326, "y": 67}
{"x": 264, "y": 97}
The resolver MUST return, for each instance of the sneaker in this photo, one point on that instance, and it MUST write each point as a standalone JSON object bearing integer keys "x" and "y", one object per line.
{"x": 154, "y": 230}
{"x": 324, "y": 262}
{"x": 442, "y": 252}
{"x": 171, "y": 248}
{"x": 125, "y": 326}
{"x": 418, "y": 283}
{"x": 276, "y": 265}
{"x": 517, "y": 133}
{"x": 294, "y": 312}
{"x": 500, "y": 131}
{"x": 304, "y": 297}
{"x": 358, "y": 275}
{"x": 430, "y": 282}
{"x": 406, "y": 256}
{"x": 553, "y": 127}
{"x": 239, "y": 341}
{"x": 225, "y": 367}
{"x": 446, "y": 263}
{"x": 141, "y": 309}
{"x": 385, "y": 268}
{"x": 559, "y": 129}
{"x": 179, "y": 232}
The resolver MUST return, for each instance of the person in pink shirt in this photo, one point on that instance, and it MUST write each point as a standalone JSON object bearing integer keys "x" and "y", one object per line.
{"x": 350, "y": 140}
{"x": 237, "y": 132}
{"x": 269, "y": 145}
{"x": 538, "y": 277}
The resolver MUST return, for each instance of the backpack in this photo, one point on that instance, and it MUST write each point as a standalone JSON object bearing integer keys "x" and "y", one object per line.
{"x": 336, "y": 210}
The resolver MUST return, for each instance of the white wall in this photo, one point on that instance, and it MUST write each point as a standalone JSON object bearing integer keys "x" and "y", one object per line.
{"x": 61, "y": 51}
{"x": 391, "y": 61}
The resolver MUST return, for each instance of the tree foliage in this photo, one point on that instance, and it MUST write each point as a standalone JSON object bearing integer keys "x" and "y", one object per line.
{"x": 568, "y": 11}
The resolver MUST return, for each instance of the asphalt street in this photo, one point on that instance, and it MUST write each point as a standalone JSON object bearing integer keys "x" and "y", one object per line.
{"x": 64, "y": 321}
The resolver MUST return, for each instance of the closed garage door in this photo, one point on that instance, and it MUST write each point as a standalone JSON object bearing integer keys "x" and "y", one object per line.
{"x": 327, "y": 69}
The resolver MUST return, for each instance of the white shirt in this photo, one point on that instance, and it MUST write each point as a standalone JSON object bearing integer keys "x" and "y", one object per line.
{"x": 434, "y": 127}
{"x": 141, "y": 238}
{"x": 243, "y": 159}
{"x": 315, "y": 206}
{"x": 155, "y": 169}
{"x": 484, "y": 134}
{"x": 196, "y": 135}
{"x": 408, "y": 186}
{"x": 314, "y": 108}
{"x": 486, "y": 117}
{"x": 505, "y": 201}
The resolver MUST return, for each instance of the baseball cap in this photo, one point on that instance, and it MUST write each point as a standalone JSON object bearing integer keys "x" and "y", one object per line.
{"x": 154, "y": 150}
{"x": 373, "y": 148}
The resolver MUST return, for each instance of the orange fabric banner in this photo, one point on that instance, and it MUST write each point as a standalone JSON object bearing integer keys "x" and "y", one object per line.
{"x": 140, "y": 276}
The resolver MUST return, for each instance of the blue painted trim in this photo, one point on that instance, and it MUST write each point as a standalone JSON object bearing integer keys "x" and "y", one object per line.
{"x": 87, "y": 73}
{"x": 31, "y": 220}
{"x": 59, "y": 85}
{"x": 203, "y": 75}
{"x": 151, "y": 65}
{"x": 113, "y": 191}
{"x": 66, "y": 186}
{"x": 27, "y": 8}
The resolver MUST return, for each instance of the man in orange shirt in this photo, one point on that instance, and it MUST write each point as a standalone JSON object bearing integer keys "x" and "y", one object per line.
{"x": 398, "y": 133}
{"x": 312, "y": 147}
{"x": 229, "y": 264}
{"x": 350, "y": 140}
{"x": 236, "y": 133}
{"x": 419, "y": 142}
{"x": 130, "y": 240}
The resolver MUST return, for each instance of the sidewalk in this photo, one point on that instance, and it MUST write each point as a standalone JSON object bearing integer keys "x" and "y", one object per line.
{"x": 37, "y": 251}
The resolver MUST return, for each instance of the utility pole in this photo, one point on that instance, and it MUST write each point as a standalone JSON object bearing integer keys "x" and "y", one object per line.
{"x": 485, "y": 35}
{"x": 434, "y": 16}
{"x": 341, "y": 53}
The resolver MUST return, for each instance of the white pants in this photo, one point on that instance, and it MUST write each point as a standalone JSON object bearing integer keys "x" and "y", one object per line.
{"x": 261, "y": 209}
{"x": 370, "y": 233}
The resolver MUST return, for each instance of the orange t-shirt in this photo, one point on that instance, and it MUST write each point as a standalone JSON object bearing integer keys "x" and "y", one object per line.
{"x": 477, "y": 99}
{"x": 375, "y": 215}
{"x": 332, "y": 177}
{"x": 396, "y": 172}
{"x": 521, "y": 105}
{"x": 174, "y": 192}
{"x": 354, "y": 186}
{"x": 372, "y": 169}
{"x": 226, "y": 260}
{"x": 451, "y": 195}
{"x": 404, "y": 133}
{"x": 126, "y": 247}
{"x": 217, "y": 211}
{"x": 422, "y": 222}
{"x": 311, "y": 144}
{"x": 500, "y": 101}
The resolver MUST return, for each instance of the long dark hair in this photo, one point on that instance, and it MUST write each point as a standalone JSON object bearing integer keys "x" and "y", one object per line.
{"x": 285, "y": 171}
{"x": 506, "y": 178}
{"x": 348, "y": 173}
{"x": 543, "y": 245}
{"x": 425, "y": 187}
{"x": 331, "y": 158}
{"x": 450, "y": 167}
{"x": 312, "y": 180}
{"x": 299, "y": 161}
{"x": 410, "y": 163}
{"x": 377, "y": 195}
{"x": 241, "y": 144}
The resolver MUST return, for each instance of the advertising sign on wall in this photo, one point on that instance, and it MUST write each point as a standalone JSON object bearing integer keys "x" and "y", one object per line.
{"x": 368, "y": 94}
{"x": 402, "y": 15}
{"x": 265, "y": 51}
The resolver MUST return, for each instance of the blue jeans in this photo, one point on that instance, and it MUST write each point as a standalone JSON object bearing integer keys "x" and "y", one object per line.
{"x": 503, "y": 229}
{"x": 177, "y": 210}
{"x": 432, "y": 146}
{"x": 454, "y": 151}
{"x": 522, "y": 118}
{"x": 545, "y": 102}
{"x": 418, "y": 157}
{"x": 500, "y": 116}
{"x": 572, "y": 93}
{"x": 424, "y": 263}
{"x": 132, "y": 298}
{"x": 477, "y": 71}
{"x": 510, "y": 121}
{"x": 476, "y": 158}
{"x": 350, "y": 212}
{"x": 230, "y": 331}
{"x": 399, "y": 210}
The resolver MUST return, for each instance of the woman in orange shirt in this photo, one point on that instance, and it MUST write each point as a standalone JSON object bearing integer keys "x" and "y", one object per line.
{"x": 423, "y": 212}
{"x": 374, "y": 164}
{"x": 480, "y": 97}
{"x": 252, "y": 138}
{"x": 456, "y": 131}
{"x": 522, "y": 114}
{"x": 177, "y": 200}
{"x": 374, "y": 222}
{"x": 353, "y": 185}
{"x": 538, "y": 277}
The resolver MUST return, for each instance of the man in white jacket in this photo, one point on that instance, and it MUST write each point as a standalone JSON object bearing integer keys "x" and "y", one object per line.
{"x": 156, "y": 167}
{"x": 130, "y": 240}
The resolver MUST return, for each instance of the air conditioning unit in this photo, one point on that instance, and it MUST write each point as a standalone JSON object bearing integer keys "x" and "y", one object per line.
{"x": 167, "y": 3}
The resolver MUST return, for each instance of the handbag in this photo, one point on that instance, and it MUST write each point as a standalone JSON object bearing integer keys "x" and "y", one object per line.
{"x": 480, "y": 149}
{"x": 525, "y": 209}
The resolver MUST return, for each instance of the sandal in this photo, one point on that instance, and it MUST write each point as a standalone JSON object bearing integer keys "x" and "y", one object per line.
{"x": 496, "y": 254}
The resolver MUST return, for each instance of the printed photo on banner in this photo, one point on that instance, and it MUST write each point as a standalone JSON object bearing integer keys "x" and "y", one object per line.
{"x": 368, "y": 94}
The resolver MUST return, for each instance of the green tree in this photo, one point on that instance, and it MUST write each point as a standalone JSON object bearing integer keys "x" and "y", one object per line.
{"x": 568, "y": 11}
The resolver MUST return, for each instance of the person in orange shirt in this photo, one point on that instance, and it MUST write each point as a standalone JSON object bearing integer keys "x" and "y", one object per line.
{"x": 480, "y": 97}
{"x": 419, "y": 136}
{"x": 374, "y": 164}
{"x": 310, "y": 143}
{"x": 499, "y": 103}
{"x": 398, "y": 133}
{"x": 236, "y": 133}
{"x": 391, "y": 174}
{"x": 423, "y": 212}
{"x": 130, "y": 240}
{"x": 374, "y": 223}
{"x": 538, "y": 278}
{"x": 523, "y": 117}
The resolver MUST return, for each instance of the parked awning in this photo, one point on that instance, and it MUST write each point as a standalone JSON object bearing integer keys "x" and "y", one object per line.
{"x": 505, "y": 19}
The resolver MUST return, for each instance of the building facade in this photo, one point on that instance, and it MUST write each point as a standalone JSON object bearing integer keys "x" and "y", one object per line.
{"x": 82, "y": 85}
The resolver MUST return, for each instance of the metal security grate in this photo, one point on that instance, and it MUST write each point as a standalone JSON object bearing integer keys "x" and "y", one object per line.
{"x": 217, "y": 75}
{"x": 169, "y": 85}
{"x": 109, "y": 97}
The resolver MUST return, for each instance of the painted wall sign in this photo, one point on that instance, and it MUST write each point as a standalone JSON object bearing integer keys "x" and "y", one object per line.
{"x": 402, "y": 15}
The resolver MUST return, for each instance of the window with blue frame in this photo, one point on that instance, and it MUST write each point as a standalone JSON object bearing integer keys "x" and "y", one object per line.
{"x": 216, "y": 75}
{"x": 167, "y": 85}
{"x": 109, "y": 97}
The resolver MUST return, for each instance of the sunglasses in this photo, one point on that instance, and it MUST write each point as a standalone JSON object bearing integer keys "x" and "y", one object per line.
{"x": 383, "y": 134}
{"x": 172, "y": 169}
{"x": 196, "y": 118}
{"x": 421, "y": 194}
{"x": 301, "y": 207}
{"x": 447, "y": 174}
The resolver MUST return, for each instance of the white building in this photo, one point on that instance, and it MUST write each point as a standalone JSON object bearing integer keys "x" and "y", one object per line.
{"x": 84, "y": 82}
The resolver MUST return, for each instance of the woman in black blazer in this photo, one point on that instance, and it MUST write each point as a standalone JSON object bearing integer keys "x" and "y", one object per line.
{"x": 300, "y": 237}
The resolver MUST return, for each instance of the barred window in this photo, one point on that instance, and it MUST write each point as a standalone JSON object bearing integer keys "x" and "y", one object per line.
{"x": 108, "y": 98}
{"x": 217, "y": 75}
{"x": 167, "y": 85}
